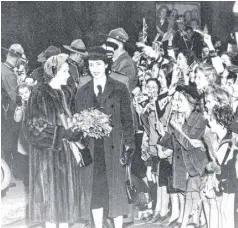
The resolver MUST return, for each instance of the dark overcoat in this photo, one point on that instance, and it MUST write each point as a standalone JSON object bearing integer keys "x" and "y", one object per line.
{"x": 126, "y": 66}
{"x": 115, "y": 102}
{"x": 186, "y": 158}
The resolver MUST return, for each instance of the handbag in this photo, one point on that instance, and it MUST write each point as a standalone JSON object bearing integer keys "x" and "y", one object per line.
{"x": 130, "y": 187}
{"x": 82, "y": 154}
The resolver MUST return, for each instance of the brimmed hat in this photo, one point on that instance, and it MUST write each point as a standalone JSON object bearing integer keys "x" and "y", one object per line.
{"x": 77, "y": 46}
{"x": 16, "y": 49}
{"x": 54, "y": 63}
{"x": 50, "y": 51}
{"x": 119, "y": 34}
{"x": 97, "y": 53}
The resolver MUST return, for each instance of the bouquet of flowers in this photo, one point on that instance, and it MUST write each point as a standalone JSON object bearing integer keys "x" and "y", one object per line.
{"x": 92, "y": 123}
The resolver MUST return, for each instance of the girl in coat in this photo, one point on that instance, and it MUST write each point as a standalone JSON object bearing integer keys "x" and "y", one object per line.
{"x": 53, "y": 180}
{"x": 103, "y": 181}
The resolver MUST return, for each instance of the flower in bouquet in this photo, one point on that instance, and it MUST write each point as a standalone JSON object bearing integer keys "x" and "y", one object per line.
{"x": 92, "y": 122}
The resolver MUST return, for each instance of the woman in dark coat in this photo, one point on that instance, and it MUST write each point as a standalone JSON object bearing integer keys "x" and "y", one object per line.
{"x": 54, "y": 181}
{"x": 103, "y": 182}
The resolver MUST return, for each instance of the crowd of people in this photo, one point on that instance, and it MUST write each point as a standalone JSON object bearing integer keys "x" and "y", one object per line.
{"x": 174, "y": 117}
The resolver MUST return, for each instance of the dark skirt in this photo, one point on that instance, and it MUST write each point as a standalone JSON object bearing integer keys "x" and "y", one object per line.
{"x": 100, "y": 192}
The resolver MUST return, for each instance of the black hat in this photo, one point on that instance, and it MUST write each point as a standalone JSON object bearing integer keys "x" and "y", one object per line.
{"x": 97, "y": 53}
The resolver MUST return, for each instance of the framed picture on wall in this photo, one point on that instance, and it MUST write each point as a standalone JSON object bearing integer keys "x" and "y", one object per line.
{"x": 169, "y": 14}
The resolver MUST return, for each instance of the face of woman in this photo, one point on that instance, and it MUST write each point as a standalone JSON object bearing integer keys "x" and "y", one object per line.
{"x": 182, "y": 62}
{"x": 205, "y": 52}
{"x": 162, "y": 79}
{"x": 194, "y": 15}
{"x": 152, "y": 88}
{"x": 182, "y": 103}
{"x": 63, "y": 74}
{"x": 210, "y": 102}
{"x": 163, "y": 13}
{"x": 97, "y": 68}
{"x": 155, "y": 71}
{"x": 24, "y": 93}
{"x": 201, "y": 80}
{"x": 188, "y": 16}
{"x": 174, "y": 13}
{"x": 214, "y": 126}
{"x": 181, "y": 23}
{"x": 226, "y": 59}
{"x": 180, "y": 107}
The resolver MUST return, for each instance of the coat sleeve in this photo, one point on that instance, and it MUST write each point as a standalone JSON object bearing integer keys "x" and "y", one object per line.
{"x": 126, "y": 118}
{"x": 40, "y": 124}
{"x": 10, "y": 85}
{"x": 42, "y": 135}
{"x": 167, "y": 141}
{"x": 129, "y": 69}
{"x": 80, "y": 103}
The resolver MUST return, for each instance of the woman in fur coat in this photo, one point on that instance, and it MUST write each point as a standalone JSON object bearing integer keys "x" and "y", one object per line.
{"x": 54, "y": 182}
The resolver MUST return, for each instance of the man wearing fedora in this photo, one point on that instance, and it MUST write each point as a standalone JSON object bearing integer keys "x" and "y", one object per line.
{"x": 122, "y": 62}
{"x": 10, "y": 129}
{"x": 77, "y": 54}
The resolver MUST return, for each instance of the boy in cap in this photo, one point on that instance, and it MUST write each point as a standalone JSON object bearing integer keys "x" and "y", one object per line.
{"x": 122, "y": 62}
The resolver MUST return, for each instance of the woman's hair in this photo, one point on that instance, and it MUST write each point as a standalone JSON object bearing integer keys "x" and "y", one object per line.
{"x": 223, "y": 115}
{"x": 189, "y": 55}
{"x": 232, "y": 75}
{"x": 154, "y": 80}
{"x": 221, "y": 96}
{"x": 163, "y": 7}
{"x": 23, "y": 85}
{"x": 99, "y": 53}
{"x": 53, "y": 65}
{"x": 209, "y": 72}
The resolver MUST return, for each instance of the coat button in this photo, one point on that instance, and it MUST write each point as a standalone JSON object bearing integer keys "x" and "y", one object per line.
{"x": 113, "y": 147}
{"x": 177, "y": 157}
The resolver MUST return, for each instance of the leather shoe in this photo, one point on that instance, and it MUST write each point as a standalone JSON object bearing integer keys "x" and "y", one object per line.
{"x": 88, "y": 225}
{"x": 108, "y": 223}
{"x": 155, "y": 218}
{"x": 164, "y": 219}
{"x": 172, "y": 223}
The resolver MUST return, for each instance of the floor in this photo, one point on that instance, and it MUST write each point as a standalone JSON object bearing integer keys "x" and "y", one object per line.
{"x": 14, "y": 209}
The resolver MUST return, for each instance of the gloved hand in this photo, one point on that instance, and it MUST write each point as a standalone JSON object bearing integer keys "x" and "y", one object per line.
{"x": 72, "y": 136}
{"x": 213, "y": 167}
{"x": 127, "y": 156}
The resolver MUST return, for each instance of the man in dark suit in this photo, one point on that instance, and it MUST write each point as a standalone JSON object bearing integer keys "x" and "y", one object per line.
{"x": 122, "y": 62}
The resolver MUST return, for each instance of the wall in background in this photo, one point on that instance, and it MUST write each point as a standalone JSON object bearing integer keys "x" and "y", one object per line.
{"x": 36, "y": 25}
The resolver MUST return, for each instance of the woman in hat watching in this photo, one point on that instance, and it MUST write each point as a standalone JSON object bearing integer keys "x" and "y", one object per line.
{"x": 53, "y": 186}
{"x": 103, "y": 182}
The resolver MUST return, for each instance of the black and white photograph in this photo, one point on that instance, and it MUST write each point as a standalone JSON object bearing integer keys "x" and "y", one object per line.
{"x": 119, "y": 114}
